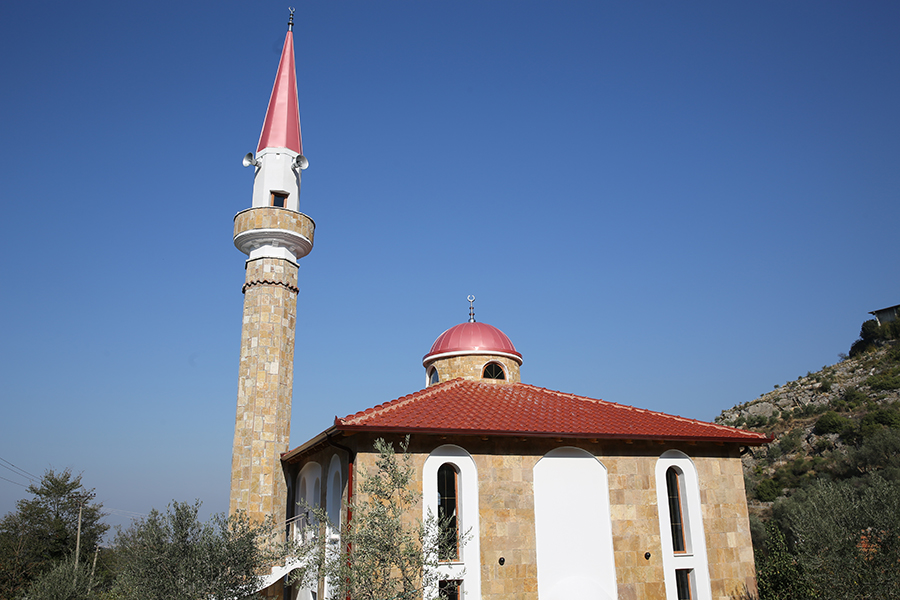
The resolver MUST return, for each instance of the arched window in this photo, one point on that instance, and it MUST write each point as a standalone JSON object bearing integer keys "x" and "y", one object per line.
{"x": 448, "y": 506}
{"x": 433, "y": 376}
{"x": 450, "y": 488}
{"x": 681, "y": 527}
{"x": 674, "y": 481}
{"x": 493, "y": 370}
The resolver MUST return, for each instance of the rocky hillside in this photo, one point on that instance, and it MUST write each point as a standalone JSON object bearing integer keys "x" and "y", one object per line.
{"x": 839, "y": 422}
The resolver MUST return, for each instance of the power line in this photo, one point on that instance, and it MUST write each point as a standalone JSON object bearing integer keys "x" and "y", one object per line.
{"x": 124, "y": 513}
{"x": 15, "y": 482}
{"x": 30, "y": 476}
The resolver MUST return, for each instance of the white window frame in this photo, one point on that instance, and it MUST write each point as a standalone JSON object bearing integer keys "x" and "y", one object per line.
{"x": 468, "y": 567}
{"x": 694, "y": 558}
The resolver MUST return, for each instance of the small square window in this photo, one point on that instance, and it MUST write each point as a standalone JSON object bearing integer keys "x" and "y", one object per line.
{"x": 279, "y": 199}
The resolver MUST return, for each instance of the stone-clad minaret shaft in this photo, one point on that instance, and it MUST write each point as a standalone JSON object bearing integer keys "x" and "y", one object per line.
{"x": 275, "y": 235}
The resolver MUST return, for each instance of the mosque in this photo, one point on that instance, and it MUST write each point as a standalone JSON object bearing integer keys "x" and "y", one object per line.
{"x": 563, "y": 496}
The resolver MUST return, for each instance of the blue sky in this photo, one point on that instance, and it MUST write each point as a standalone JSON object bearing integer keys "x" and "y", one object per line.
{"x": 669, "y": 205}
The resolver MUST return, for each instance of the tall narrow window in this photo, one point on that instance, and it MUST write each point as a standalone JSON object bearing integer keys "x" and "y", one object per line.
{"x": 684, "y": 557}
{"x": 448, "y": 516}
{"x": 683, "y": 584}
{"x": 433, "y": 376}
{"x": 448, "y": 589}
{"x": 676, "y": 518}
{"x": 450, "y": 491}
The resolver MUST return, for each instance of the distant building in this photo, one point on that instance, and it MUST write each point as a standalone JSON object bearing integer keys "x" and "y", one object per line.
{"x": 886, "y": 315}
{"x": 566, "y": 497}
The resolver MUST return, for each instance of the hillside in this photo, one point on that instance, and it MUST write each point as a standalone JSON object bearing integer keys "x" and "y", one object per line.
{"x": 839, "y": 423}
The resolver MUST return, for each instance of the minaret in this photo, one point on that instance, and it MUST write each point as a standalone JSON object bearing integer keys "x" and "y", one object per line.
{"x": 275, "y": 235}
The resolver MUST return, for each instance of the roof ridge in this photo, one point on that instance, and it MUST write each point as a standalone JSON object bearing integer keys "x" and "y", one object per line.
{"x": 644, "y": 410}
{"x": 396, "y": 403}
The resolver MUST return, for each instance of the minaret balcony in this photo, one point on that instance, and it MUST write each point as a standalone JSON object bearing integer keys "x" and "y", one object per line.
{"x": 273, "y": 232}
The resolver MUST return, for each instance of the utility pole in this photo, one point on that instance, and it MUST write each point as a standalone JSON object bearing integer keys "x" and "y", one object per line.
{"x": 78, "y": 536}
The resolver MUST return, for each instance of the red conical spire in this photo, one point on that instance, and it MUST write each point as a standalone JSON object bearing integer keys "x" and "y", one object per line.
{"x": 281, "y": 128}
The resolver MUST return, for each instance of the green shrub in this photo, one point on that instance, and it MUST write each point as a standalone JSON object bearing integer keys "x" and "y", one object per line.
{"x": 886, "y": 380}
{"x": 756, "y": 421}
{"x": 767, "y": 490}
{"x": 831, "y": 422}
{"x": 790, "y": 442}
{"x": 854, "y": 398}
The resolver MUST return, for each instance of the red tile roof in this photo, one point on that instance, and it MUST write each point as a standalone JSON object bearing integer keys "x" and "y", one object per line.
{"x": 477, "y": 408}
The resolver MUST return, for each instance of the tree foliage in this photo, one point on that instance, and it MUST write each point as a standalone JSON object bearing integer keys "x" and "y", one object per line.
{"x": 43, "y": 530}
{"x": 65, "y": 581}
{"x": 847, "y": 540}
{"x": 384, "y": 551}
{"x": 779, "y": 575}
{"x": 174, "y": 555}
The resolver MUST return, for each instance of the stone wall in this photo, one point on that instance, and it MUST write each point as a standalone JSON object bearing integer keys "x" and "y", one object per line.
{"x": 471, "y": 366}
{"x": 262, "y": 425}
{"x": 507, "y": 522}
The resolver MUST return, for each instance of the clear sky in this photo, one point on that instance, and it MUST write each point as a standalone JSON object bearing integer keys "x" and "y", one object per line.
{"x": 668, "y": 205}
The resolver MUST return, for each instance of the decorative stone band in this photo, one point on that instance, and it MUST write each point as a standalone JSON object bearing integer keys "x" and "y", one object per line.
{"x": 271, "y": 271}
{"x": 283, "y": 284}
{"x": 273, "y": 232}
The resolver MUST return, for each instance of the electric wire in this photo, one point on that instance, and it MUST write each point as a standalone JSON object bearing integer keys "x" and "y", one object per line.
{"x": 30, "y": 476}
{"x": 15, "y": 482}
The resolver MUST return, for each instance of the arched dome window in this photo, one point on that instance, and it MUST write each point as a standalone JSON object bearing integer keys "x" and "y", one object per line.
{"x": 493, "y": 370}
{"x": 433, "y": 376}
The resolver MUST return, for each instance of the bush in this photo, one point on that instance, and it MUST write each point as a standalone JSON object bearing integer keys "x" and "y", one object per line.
{"x": 831, "y": 422}
{"x": 886, "y": 380}
{"x": 846, "y": 539}
{"x": 757, "y": 421}
{"x": 790, "y": 442}
{"x": 854, "y": 398}
{"x": 768, "y": 490}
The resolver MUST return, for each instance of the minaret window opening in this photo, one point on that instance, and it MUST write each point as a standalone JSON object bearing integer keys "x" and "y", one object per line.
{"x": 493, "y": 370}
{"x": 279, "y": 199}
{"x": 448, "y": 517}
{"x": 676, "y": 518}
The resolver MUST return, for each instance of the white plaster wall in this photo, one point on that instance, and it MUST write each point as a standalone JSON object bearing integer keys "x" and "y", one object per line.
{"x": 572, "y": 527}
{"x": 276, "y": 173}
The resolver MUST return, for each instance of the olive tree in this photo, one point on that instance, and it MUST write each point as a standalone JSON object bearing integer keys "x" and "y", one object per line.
{"x": 175, "y": 555}
{"x": 384, "y": 551}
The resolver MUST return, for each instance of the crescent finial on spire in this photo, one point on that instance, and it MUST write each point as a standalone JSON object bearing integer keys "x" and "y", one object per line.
{"x": 291, "y": 20}
{"x": 471, "y": 300}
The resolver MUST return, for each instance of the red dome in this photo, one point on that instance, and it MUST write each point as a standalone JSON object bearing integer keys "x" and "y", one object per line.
{"x": 472, "y": 338}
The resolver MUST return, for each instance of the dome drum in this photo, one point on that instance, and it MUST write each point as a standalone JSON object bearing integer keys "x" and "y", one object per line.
{"x": 472, "y": 366}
